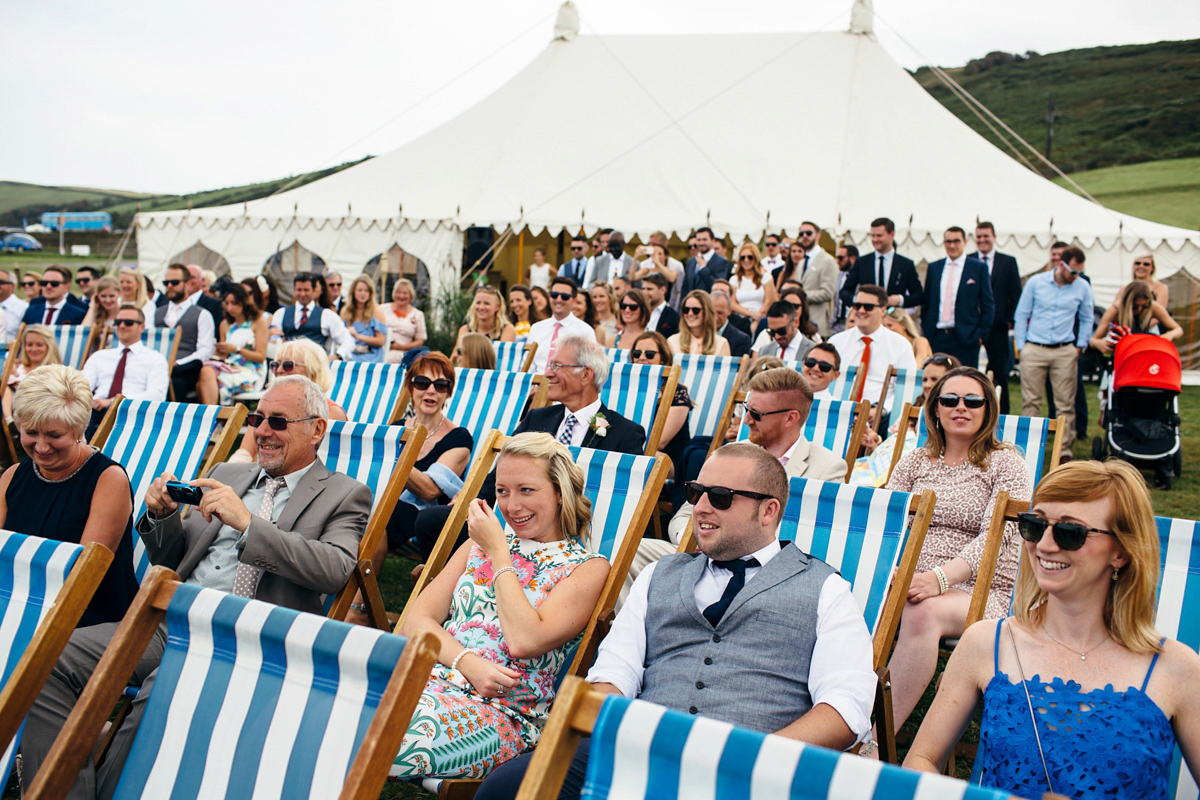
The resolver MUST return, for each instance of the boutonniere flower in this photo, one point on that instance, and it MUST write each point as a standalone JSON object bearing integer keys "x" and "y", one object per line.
{"x": 599, "y": 424}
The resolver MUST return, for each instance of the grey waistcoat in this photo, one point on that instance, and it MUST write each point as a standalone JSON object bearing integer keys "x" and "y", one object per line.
{"x": 752, "y": 670}
{"x": 189, "y": 332}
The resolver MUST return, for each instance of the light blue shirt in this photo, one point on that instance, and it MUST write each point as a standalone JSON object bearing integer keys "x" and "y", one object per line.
{"x": 1047, "y": 312}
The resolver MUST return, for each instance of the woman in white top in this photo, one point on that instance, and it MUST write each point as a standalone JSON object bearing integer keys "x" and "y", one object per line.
{"x": 406, "y": 323}
{"x": 753, "y": 292}
{"x": 541, "y": 272}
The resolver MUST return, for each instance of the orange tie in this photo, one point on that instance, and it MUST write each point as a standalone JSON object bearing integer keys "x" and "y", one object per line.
{"x": 864, "y": 365}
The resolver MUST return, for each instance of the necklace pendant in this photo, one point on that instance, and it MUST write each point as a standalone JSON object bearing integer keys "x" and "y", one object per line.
{"x": 1083, "y": 656}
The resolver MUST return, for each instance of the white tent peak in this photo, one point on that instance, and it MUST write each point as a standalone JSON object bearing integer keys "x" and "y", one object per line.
{"x": 862, "y": 17}
{"x": 566, "y": 27}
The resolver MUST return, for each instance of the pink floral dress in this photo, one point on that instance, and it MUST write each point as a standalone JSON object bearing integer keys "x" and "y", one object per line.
{"x": 456, "y": 733}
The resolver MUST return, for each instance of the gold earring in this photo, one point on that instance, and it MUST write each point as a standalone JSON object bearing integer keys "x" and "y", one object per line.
{"x": 1116, "y": 573}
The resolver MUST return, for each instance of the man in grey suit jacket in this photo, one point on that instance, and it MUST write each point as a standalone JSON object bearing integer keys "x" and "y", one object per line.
{"x": 786, "y": 341}
{"x": 290, "y": 549}
{"x": 818, "y": 274}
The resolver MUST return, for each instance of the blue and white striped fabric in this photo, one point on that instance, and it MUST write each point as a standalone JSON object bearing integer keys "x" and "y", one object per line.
{"x": 709, "y": 380}
{"x": 255, "y": 700}
{"x": 1028, "y": 434}
{"x": 160, "y": 340}
{"x": 365, "y": 452}
{"x": 32, "y": 573}
{"x": 510, "y": 356}
{"x": 1178, "y": 614}
{"x": 642, "y": 750}
{"x": 857, "y": 530}
{"x": 829, "y": 424}
{"x": 843, "y": 383}
{"x": 150, "y": 438}
{"x": 616, "y": 355}
{"x": 72, "y": 343}
{"x": 487, "y": 399}
{"x": 907, "y": 386}
{"x": 632, "y": 391}
{"x": 368, "y": 392}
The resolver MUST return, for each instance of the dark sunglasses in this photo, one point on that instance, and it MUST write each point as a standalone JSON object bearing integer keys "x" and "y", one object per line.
{"x": 286, "y": 366}
{"x": 421, "y": 382}
{"x": 747, "y": 257}
{"x": 780, "y": 331}
{"x": 1067, "y": 535}
{"x": 807, "y": 233}
{"x": 772, "y": 244}
{"x": 44, "y": 284}
{"x": 757, "y": 416}
{"x": 646, "y": 353}
{"x": 630, "y": 307}
{"x": 720, "y": 497}
{"x": 940, "y": 361}
{"x": 864, "y": 306}
{"x": 970, "y": 400}
{"x": 127, "y": 323}
{"x": 276, "y": 423}
{"x": 577, "y": 247}
{"x": 29, "y": 284}
{"x": 562, "y": 295}
{"x": 1075, "y": 272}
{"x": 171, "y": 283}
{"x": 824, "y": 366}
{"x": 693, "y": 310}
{"x": 81, "y": 280}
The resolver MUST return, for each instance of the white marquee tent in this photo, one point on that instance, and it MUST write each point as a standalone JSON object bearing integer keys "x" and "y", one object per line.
{"x": 746, "y": 132}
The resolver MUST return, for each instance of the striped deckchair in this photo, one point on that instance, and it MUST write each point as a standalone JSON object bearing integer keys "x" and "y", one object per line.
{"x": 1035, "y": 437}
{"x": 45, "y": 586}
{"x": 72, "y": 341}
{"x": 381, "y": 457}
{"x": 837, "y": 425}
{"x": 514, "y": 356}
{"x": 643, "y": 750}
{"x": 905, "y": 389}
{"x": 250, "y": 699}
{"x": 623, "y": 489}
{"x": 1178, "y": 613}
{"x": 846, "y": 384}
{"x": 616, "y": 355}
{"x": 642, "y": 393}
{"x": 711, "y": 382}
{"x": 149, "y": 438}
{"x": 368, "y": 392}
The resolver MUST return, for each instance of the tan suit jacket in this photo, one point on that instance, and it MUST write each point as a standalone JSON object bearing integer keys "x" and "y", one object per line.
{"x": 820, "y": 284}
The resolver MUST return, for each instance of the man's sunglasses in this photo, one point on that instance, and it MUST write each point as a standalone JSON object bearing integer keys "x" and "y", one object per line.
{"x": 639, "y": 353}
{"x": 757, "y": 416}
{"x": 83, "y": 280}
{"x": 169, "y": 284}
{"x": 864, "y": 306}
{"x": 970, "y": 400}
{"x": 824, "y": 366}
{"x": 286, "y": 366}
{"x": 720, "y": 497}
{"x": 127, "y": 323}
{"x": 1075, "y": 272}
{"x": 1067, "y": 535}
{"x": 780, "y": 331}
{"x": 807, "y": 233}
{"x": 577, "y": 247}
{"x": 276, "y": 423}
{"x": 693, "y": 310}
{"x": 422, "y": 383}
{"x": 562, "y": 295}
{"x": 44, "y": 284}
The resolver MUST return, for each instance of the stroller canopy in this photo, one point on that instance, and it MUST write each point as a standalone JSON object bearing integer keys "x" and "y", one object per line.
{"x": 1146, "y": 361}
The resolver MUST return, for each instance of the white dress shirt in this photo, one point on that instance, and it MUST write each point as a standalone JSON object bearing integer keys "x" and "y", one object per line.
{"x": 332, "y": 326}
{"x": 583, "y": 418}
{"x": 206, "y": 335}
{"x": 887, "y": 266}
{"x": 792, "y": 351}
{"x": 771, "y": 263}
{"x": 14, "y": 311}
{"x": 888, "y": 348}
{"x": 57, "y": 308}
{"x": 951, "y": 277}
{"x": 146, "y": 373}
{"x": 543, "y": 331}
{"x": 655, "y": 316}
{"x": 839, "y": 674}
{"x": 989, "y": 259}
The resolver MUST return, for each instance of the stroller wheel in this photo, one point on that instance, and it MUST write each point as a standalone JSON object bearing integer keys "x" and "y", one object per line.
{"x": 1099, "y": 448}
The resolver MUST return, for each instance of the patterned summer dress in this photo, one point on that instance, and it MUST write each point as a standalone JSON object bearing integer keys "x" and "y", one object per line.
{"x": 234, "y": 373}
{"x": 456, "y": 733}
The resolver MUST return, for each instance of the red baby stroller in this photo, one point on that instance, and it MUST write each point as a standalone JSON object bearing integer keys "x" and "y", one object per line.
{"x": 1140, "y": 414}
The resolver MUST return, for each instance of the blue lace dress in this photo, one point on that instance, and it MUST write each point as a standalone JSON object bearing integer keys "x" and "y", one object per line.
{"x": 1099, "y": 744}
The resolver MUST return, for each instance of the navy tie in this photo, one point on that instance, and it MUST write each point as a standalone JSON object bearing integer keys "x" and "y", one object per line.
{"x": 738, "y": 567}
{"x": 881, "y": 272}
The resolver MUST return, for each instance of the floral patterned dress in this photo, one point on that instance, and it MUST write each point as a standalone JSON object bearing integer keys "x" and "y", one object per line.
{"x": 234, "y": 373}
{"x": 456, "y": 733}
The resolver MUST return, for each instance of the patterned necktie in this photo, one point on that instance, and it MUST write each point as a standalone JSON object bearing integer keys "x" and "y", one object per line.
{"x": 738, "y": 567}
{"x": 864, "y": 364}
{"x": 568, "y": 429}
{"x": 303, "y": 316}
{"x": 119, "y": 376}
{"x": 948, "y": 298}
{"x": 245, "y": 580}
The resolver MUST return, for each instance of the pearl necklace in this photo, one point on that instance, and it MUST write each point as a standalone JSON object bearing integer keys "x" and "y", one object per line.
{"x": 946, "y": 468}
{"x": 1083, "y": 655}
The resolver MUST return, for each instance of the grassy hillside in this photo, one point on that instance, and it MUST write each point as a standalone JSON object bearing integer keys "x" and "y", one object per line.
{"x": 30, "y": 200}
{"x": 1163, "y": 191}
{"x": 1113, "y": 105}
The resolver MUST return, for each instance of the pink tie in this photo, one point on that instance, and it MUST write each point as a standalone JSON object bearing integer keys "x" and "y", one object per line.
{"x": 947, "y": 316}
{"x": 553, "y": 339}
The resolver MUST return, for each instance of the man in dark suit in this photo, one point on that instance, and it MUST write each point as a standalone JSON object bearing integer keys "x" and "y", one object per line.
{"x": 739, "y": 342}
{"x": 284, "y": 530}
{"x": 885, "y": 267}
{"x": 706, "y": 266}
{"x": 958, "y": 301}
{"x": 56, "y": 306}
{"x": 663, "y": 318}
{"x": 1006, "y": 291}
{"x": 576, "y": 268}
{"x": 574, "y": 378}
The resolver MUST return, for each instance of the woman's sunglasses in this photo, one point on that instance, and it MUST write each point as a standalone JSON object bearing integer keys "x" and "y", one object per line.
{"x": 970, "y": 400}
{"x": 283, "y": 366}
{"x": 824, "y": 366}
{"x": 1067, "y": 535}
{"x": 647, "y": 353}
{"x": 422, "y": 383}
{"x": 720, "y": 497}
{"x": 693, "y": 310}
{"x": 630, "y": 307}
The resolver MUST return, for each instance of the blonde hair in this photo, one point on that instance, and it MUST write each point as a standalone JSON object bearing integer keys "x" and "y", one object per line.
{"x": 477, "y": 352}
{"x": 99, "y": 314}
{"x": 407, "y": 284}
{"x": 498, "y": 321}
{"x": 756, "y": 272}
{"x": 141, "y": 297}
{"x": 314, "y": 359}
{"x": 53, "y": 393}
{"x": 1129, "y": 606}
{"x": 1136, "y": 290}
{"x": 52, "y": 354}
{"x": 351, "y": 311}
{"x": 575, "y": 509}
{"x": 707, "y": 319}
{"x": 984, "y": 442}
{"x": 906, "y": 321}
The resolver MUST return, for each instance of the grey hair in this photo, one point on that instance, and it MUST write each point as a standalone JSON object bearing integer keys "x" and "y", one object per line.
{"x": 316, "y": 404}
{"x": 8, "y": 274}
{"x": 588, "y": 354}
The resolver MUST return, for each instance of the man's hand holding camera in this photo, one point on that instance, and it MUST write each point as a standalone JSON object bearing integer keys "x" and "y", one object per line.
{"x": 218, "y": 501}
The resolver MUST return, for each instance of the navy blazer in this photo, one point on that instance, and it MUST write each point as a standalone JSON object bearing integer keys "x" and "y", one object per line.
{"x": 70, "y": 314}
{"x": 902, "y": 280}
{"x": 739, "y": 342}
{"x": 1006, "y": 289}
{"x": 717, "y": 268}
{"x": 973, "y": 306}
{"x": 622, "y": 436}
{"x": 668, "y": 321}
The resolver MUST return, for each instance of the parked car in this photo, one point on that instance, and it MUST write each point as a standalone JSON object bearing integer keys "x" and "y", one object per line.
{"x": 19, "y": 241}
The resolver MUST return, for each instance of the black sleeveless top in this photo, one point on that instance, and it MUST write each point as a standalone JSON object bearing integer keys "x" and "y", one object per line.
{"x": 60, "y": 511}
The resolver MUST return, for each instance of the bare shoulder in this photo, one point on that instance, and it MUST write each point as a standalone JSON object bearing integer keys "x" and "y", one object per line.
{"x": 975, "y": 654}
{"x": 1180, "y": 663}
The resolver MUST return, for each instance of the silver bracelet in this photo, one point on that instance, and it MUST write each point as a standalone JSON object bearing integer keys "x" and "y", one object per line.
{"x": 503, "y": 570}
{"x": 458, "y": 658}
{"x": 943, "y": 583}
{"x": 359, "y": 607}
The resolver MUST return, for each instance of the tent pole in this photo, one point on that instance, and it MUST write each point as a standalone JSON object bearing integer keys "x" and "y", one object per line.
{"x": 521, "y": 256}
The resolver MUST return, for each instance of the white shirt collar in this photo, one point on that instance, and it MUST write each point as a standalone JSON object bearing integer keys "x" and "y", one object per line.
{"x": 292, "y": 479}
{"x": 586, "y": 413}
{"x": 792, "y": 450}
{"x": 763, "y": 554}
{"x": 194, "y": 297}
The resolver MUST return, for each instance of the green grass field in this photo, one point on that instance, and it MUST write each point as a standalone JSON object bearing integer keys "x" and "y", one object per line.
{"x": 1163, "y": 191}
{"x": 15, "y": 195}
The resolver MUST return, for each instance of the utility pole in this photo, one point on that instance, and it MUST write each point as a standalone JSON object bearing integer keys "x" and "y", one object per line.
{"x": 1049, "y": 122}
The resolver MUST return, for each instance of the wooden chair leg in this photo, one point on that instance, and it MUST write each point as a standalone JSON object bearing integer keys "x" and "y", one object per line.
{"x": 884, "y": 721}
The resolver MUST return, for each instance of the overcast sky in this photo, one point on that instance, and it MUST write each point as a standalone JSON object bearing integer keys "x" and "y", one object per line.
{"x": 187, "y": 95}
